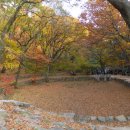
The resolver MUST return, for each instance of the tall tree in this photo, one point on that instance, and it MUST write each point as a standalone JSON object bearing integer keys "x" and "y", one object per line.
{"x": 15, "y": 7}
{"x": 106, "y": 25}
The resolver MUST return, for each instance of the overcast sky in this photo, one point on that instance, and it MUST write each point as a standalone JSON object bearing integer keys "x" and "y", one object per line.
{"x": 74, "y": 7}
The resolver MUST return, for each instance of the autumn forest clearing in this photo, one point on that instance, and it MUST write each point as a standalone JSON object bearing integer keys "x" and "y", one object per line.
{"x": 61, "y": 56}
{"x": 84, "y": 98}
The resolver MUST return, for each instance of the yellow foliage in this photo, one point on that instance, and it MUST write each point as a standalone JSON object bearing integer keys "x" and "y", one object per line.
{"x": 12, "y": 53}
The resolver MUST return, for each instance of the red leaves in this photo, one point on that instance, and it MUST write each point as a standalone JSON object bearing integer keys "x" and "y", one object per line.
{"x": 7, "y": 79}
{"x": 8, "y": 88}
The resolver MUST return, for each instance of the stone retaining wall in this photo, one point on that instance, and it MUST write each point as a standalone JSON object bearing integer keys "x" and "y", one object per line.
{"x": 73, "y": 78}
{"x": 61, "y": 79}
{"x": 87, "y": 118}
{"x": 75, "y": 117}
{"x": 105, "y": 78}
{"x": 29, "y": 117}
{"x": 124, "y": 80}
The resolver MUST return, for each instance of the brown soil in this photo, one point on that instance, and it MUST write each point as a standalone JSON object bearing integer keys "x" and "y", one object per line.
{"x": 84, "y": 98}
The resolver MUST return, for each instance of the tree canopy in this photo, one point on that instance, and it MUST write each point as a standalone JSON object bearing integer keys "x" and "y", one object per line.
{"x": 35, "y": 36}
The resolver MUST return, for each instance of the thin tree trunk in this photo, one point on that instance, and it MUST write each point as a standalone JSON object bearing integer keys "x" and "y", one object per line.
{"x": 47, "y": 73}
{"x": 3, "y": 70}
{"x": 9, "y": 24}
{"x": 17, "y": 75}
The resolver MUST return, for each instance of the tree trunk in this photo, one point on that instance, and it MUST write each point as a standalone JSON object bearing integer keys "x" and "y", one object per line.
{"x": 11, "y": 21}
{"x": 3, "y": 70}
{"x": 123, "y": 6}
{"x": 17, "y": 75}
{"x": 47, "y": 73}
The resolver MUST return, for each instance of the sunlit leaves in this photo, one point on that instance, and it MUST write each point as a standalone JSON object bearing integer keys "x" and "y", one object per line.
{"x": 12, "y": 54}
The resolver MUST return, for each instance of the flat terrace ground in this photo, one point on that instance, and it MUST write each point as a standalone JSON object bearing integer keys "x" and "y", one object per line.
{"x": 84, "y": 97}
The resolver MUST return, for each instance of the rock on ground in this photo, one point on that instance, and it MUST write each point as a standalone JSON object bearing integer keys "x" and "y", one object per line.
{"x": 16, "y": 115}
